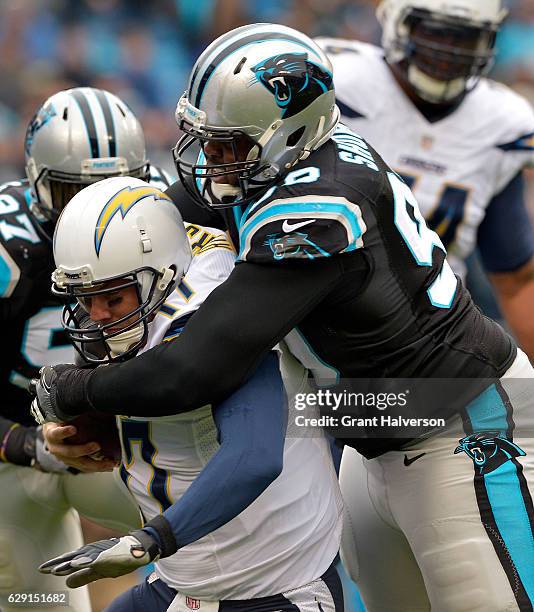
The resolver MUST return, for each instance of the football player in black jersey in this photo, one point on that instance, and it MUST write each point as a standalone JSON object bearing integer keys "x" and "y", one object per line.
{"x": 335, "y": 257}
{"x": 77, "y": 137}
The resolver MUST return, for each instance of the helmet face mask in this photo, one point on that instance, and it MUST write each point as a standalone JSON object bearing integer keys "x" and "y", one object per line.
{"x": 121, "y": 338}
{"x": 446, "y": 51}
{"x": 265, "y": 86}
{"x": 53, "y": 189}
{"x": 441, "y": 47}
{"x": 223, "y": 182}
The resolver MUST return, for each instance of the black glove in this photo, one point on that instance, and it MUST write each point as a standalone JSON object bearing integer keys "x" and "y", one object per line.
{"x": 26, "y": 446}
{"x": 104, "y": 559}
{"x": 46, "y": 406}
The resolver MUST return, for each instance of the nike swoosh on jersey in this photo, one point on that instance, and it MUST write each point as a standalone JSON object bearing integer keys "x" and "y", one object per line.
{"x": 408, "y": 462}
{"x": 287, "y": 227}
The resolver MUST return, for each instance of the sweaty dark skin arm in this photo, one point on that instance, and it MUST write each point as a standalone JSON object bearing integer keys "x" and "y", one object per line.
{"x": 219, "y": 348}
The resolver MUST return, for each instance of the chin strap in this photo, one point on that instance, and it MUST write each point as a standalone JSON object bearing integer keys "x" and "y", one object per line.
{"x": 120, "y": 343}
{"x": 224, "y": 190}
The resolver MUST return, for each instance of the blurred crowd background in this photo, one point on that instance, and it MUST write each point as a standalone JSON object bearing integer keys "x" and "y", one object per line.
{"x": 143, "y": 52}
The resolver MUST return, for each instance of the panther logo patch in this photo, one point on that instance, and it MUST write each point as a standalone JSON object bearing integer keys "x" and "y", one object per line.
{"x": 39, "y": 119}
{"x": 296, "y": 245}
{"x": 294, "y": 81}
{"x": 488, "y": 450}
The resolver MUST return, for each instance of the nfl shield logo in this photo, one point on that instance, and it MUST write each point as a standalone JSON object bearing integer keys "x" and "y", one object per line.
{"x": 192, "y": 604}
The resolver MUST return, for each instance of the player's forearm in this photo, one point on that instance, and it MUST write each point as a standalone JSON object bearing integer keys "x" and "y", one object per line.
{"x": 218, "y": 350}
{"x": 251, "y": 425}
{"x": 515, "y": 292}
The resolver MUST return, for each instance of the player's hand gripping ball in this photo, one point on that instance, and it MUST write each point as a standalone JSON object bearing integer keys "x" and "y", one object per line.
{"x": 99, "y": 427}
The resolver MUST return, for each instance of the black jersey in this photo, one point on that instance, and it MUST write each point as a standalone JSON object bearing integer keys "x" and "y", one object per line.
{"x": 31, "y": 317}
{"x": 399, "y": 310}
{"x": 337, "y": 260}
{"x": 29, "y": 314}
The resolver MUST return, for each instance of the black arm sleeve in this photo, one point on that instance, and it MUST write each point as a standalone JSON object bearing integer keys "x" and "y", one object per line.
{"x": 191, "y": 211}
{"x": 220, "y": 346}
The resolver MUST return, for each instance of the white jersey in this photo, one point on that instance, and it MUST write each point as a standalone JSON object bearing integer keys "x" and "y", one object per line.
{"x": 456, "y": 165}
{"x": 289, "y": 535}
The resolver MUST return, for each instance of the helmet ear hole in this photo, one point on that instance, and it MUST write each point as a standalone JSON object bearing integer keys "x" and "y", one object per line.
{"x": 294, "y": 137}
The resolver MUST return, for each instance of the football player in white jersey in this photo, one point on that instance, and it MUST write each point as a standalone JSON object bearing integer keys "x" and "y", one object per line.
{"x": 140, "y": 277}
{"x": 458, "y": 139}
{"x": 76, "y": 137}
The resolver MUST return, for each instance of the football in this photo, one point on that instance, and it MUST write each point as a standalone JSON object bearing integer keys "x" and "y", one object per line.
{"x": 98, "y": 427}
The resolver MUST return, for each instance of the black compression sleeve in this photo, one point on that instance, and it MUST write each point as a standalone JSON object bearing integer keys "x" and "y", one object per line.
{"x": 221, "y": 344}
{"x": 192, "y": 212}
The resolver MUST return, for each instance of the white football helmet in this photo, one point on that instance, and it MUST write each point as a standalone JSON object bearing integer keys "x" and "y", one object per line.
{"x": 265, "y": 83}
{"x": 119, "y": 228}
{"x": 79, "y": 136}
{"x": 443, "y": 46}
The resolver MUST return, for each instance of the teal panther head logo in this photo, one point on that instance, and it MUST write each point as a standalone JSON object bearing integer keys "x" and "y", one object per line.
{"x": 294, "y": 81}
{"x": 42, "y": 117}
{"x": 488, "y": 450}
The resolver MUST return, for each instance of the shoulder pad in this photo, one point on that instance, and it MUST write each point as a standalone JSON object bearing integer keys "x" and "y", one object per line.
{"x": 511, "y": 115}
{"x": 20, "y": 243}
{"x": 338, "y": 46}
{"x": 300, "y": 227}
{"x": 203, "y": 239}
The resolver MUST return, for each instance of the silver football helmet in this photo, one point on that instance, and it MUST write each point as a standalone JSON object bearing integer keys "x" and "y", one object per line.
{"x": 442, "y": 46}
{"x": 79, "y": 136}
{"x": 263, "y": 90}
{"x": 122, "y": 230}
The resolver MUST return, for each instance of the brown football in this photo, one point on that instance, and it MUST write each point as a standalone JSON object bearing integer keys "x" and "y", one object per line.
{"x": 98, "y": 427}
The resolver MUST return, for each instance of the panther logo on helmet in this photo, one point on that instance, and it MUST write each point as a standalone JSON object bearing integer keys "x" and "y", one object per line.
{"x": 294, "y": 81}
{"x": 488, "y": 450}
{"x": 42, "y": 117}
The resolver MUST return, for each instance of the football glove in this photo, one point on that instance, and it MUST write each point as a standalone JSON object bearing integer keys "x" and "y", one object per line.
{"x": 104, "y": 559}
{"x": 45, "y": 407}
{"x": 25, "y": 446}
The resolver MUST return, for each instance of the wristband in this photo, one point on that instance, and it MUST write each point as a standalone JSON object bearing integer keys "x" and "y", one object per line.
{"x": 4, "y": 442}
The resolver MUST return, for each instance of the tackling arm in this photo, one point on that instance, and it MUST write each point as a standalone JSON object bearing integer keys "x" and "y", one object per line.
{"x": 218, "y": 350}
